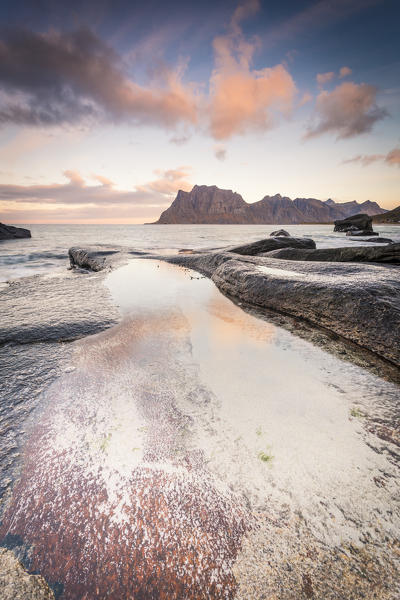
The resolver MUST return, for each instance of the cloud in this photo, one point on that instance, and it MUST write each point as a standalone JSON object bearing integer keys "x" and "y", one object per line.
{"x": 349, "y": 110}
{"x": 307, "y": 97}
{"x": 169, "y": 182}
{"x": 220, "y": 152}
{"x": 323, "y": 78}
{"x": 59, "y": 78}
{"x": 392, "y": 158}
{"x": 241, "y": 98}
{"x": 345, "y": 72}
{"x": 75, "y": 200}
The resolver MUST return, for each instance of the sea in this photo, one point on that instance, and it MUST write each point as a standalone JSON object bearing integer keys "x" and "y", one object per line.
{"x": 47, "y": 249}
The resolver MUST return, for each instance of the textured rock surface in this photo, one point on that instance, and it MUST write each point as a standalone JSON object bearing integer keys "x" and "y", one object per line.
{"x": 8, "y": 232}
{"x": 361, "y": 233}
{"x": 17, "y": 584}
{"x": 209, "y": 204}
{"x": 382, "y": 254}
{"x": 273, "y": 244}
{"x": 356, "y": 301}
{"x": 361, "y": 222}
{"x": 279, "y": 233}
{"x": 377, "y": 240}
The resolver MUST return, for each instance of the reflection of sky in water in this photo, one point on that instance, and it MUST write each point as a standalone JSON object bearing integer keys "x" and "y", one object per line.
{"x": 275, "y": 394}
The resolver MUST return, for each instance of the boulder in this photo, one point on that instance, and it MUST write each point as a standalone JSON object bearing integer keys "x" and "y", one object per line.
{"x": 273, "y": 243}
{"x": 9, "y": 232}
{"x": 361, "y": 222}
{"x": 381, "y": 254}
{"x": 361, "y": 233}
{"x": 279, "y": 233}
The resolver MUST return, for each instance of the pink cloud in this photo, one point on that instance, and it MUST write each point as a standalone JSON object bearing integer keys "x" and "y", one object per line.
{"x": 392, "y": 158}
{"x": 345, "y": 72}
{"x": 241, "y": 98}
{"x": 169, "y": 181}
{"x": 323, "y": 78}
{"x": 349, "y": 110}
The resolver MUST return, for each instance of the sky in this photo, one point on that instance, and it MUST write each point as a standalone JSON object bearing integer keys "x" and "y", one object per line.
{"x": 107, "y": 109}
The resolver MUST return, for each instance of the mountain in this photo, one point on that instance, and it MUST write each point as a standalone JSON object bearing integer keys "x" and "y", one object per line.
{"x": 391, "y": 216}
{"x": 211, "y": 205}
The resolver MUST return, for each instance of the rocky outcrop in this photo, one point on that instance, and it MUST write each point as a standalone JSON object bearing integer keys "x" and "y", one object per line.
{"x": 359, "y": 302}
{"x": 92, "y": 260}
{"x": 279, "y": 233}
{"x": 382, "y": 254}
{"x": 9, "y": 232}
{"x": 272, "y": 244}
{"x": 211, "y": 205}
{"x": 391, "y": 216}
{"x": 360, "y": 222}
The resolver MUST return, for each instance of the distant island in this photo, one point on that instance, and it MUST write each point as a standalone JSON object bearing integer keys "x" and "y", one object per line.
{"x": 211, "y": 205}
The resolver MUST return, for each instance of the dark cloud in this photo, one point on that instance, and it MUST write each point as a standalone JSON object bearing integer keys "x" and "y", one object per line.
{"x": 55, "y": 78}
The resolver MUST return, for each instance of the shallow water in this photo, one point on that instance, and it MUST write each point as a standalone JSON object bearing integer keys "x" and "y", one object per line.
{"x": 171, "y": 430}
{"x": 48, "y": 247}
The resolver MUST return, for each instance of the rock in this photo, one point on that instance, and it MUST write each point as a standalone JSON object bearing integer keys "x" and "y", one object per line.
{"x": 356, "y": 232}
{"x": 17, "y": 584}
{"x": 95, "y": 260}
{"x": 359, "y": 302}
{"x": 361, "y": 222}
{"x": 9, "y": 232}
{"x": 279, "y": 233}
{"x": 377, "y": 240}
{"x": 390, "y": 216}
{"x": 383, "y": 254}
{"x": 269, "y": 244}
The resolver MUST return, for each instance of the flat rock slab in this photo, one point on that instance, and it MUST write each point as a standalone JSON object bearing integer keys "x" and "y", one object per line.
{"x": 383, "y": 254}
{"x": 359, "y": 302}
{"x": 272, "y": 243}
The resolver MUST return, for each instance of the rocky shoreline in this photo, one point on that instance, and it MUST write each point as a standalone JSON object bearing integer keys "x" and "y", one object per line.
{"x": 358, "y": 301}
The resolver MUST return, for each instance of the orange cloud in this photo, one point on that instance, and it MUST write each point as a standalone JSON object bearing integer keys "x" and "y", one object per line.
{"x": 169, "y": 181}
{"x": 349, "y": 110}
{"x": 243, "y": 99}
{"x": 393, "y": 158}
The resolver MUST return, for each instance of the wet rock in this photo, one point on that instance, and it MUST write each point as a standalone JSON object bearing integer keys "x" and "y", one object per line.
{"x": 361, "y": 222}
{"x": 280, "y": 232}
{"x": 378, "y": 240}
{"x": 273, "y": 243}
{"x": 95, "y": 260}
{"x": 8, "y": 232}
{"x": 382, "y": 254}
{"x": 359, "y": 302}
{"x": 17, "y": 584}
{"x": 361, "y": 233}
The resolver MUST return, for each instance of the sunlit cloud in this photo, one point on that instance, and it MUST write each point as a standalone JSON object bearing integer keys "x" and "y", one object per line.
{"x": 54, "y": 78}
{"x": 392, "y": 158}
{"x": 344, "y": 72}
{"x": 243, "y": 99}
{"x": 323, "y": 78}
{"x": 349, "y": 110}
{"x": 76, "y": 199}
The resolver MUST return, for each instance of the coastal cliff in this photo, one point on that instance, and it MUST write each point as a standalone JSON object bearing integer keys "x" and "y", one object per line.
{"x": 212, "y": 205}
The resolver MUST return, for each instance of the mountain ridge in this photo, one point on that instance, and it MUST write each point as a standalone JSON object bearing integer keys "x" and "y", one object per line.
{"x": 212, "y": 205}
